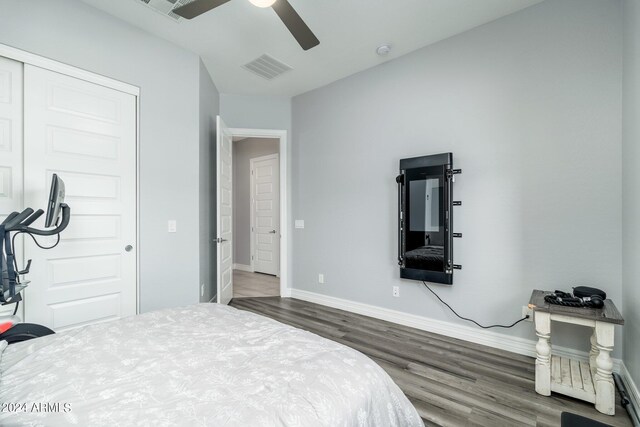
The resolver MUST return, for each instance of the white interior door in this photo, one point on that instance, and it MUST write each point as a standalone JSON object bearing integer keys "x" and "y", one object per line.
{"x": 11, "y": 161}
{"x": 265, "y": 192}
{"x": 86, "y": 134}
{"x": 224, "y": 212}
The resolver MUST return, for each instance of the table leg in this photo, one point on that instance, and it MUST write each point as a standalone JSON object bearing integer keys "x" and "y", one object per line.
{"x": 604, "y": 385}
{"x": 543, "y": 353}
{"x": 593, "y": 354}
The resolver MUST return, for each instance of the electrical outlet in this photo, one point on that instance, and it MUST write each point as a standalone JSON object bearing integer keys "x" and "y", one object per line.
{"x": 320, "y": 278}
{"x": 202, "y": 290}
{"x": 527, "y": 311}
{"x": 172, "y": 226}
{"x": 396, "y": 291}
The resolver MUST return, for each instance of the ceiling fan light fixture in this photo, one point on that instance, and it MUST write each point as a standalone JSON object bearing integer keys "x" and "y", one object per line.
{"x": 287, "y": 14}
{"x": 262, "y": 3}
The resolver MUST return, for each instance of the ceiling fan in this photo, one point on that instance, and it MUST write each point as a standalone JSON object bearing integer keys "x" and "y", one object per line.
{"x": 283, "y": 9}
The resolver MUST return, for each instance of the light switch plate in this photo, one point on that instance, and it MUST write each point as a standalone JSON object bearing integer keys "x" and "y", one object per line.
{"x": 299, "y": 223}
{"x": 172, "y": 226}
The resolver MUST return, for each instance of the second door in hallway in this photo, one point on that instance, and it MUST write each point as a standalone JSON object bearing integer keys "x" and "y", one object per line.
{"x": 265, "y": 214}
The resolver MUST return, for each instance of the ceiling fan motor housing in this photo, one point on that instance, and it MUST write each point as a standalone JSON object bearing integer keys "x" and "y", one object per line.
{"x": 294, "y": 23}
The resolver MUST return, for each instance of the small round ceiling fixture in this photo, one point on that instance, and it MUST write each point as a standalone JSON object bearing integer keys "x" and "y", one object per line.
{"x": 262, "y": 3}
{"x": 383, "y": 50}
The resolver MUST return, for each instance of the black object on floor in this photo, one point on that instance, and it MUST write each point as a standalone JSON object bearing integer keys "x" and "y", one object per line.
{"x": 572, "y": 420}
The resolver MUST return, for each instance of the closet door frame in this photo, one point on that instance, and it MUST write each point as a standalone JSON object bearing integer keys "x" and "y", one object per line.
{"x": 78, "y": 73}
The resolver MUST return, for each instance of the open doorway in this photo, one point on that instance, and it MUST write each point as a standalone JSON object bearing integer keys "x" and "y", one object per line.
{"x": 256, "y": 216}
{"x": 227, "y": 265}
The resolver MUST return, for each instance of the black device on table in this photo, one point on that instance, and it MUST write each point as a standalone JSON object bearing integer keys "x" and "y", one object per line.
{"x": 17, "y": 223}
{"x": 583, "y": 296}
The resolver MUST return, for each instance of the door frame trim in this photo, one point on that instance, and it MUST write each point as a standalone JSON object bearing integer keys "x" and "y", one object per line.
{"x": 252, "y": 215}
{"x": 285, "y": 193}
{"x": 68, "y": 70}
{"x": 40, "y": 61}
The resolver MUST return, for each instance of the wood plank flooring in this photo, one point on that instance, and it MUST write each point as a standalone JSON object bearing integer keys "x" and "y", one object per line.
{"x": 247, "y": 284}
{"x": 450, "y": 382}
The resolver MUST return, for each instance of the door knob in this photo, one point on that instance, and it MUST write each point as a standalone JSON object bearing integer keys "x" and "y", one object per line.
{"x": 220, "y": 240}
{"x": 272, "y": 232}
{"x": 128, "y": 248}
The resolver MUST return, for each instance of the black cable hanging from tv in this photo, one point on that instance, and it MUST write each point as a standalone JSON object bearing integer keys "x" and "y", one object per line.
{"x": 471, "y": 320}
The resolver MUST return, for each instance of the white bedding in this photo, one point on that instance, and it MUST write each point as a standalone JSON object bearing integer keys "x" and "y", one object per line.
{"x": 203, "y": 365}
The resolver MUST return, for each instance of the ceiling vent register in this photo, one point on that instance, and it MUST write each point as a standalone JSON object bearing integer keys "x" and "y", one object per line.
{"x": 267, "y": 67}
{"x": 165, "y": 7}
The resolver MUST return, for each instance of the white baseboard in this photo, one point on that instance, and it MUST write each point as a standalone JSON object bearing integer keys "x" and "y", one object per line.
{"x": 632, "y": 388}
{"x": 479, "y": 336}
{"x": 243, "y": 267}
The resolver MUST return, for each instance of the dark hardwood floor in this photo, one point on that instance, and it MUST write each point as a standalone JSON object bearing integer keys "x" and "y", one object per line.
{"x": 450, "y": 382}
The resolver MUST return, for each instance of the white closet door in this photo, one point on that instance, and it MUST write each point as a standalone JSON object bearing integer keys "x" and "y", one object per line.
{"x": 11, "y": 146}
{"x": 86, "y": 134}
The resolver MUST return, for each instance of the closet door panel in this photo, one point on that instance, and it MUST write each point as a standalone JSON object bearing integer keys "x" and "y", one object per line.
{"x": 11, "y": 160}
{"x": 10, "y": 136}
{"x": 86, "y": 134}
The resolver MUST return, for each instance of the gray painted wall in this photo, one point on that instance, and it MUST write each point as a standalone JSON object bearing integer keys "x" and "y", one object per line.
{"x": 530, "y": 105}
{"x": 630, "y": 188}
{"x": 256, "y": 112}
{"x": 209, "y": 109}
{"x": 168, "y": 76}
{"x": 243, "y": 152}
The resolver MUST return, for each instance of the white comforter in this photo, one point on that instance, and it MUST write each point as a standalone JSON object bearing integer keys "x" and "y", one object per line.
{"x": 203, "y": 365}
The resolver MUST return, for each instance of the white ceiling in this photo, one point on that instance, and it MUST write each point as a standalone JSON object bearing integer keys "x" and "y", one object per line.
{"x": 349, "y": 31}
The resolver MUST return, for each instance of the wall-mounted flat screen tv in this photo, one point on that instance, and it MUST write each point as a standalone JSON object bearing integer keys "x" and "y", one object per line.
{"x": 425, "y": 239}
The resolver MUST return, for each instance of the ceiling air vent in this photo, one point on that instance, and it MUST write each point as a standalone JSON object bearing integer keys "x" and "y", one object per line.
{"x": 165, "y": 7}
{"x": 267, "y": 67}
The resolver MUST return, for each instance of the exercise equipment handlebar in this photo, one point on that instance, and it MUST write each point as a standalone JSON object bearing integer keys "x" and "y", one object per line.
{"x": 37, "y": 214}
{"x": 15, "y": 222}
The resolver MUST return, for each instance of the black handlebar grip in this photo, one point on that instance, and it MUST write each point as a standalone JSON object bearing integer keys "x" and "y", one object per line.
{"x": 66, "y": 216}
{"x": 18, "y": 219}
{"x": 37, "y": 214}
{"x": 9, "y": 217}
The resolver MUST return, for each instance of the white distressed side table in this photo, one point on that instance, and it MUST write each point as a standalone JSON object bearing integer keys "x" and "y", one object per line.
{"x": 592, "y": 381}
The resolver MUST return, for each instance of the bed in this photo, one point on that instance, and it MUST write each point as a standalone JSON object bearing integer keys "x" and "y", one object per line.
{"x": 202, "y": 365}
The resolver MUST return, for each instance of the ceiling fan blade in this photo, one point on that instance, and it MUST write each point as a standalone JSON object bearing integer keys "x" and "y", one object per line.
{"x": 295, "y": 24}
{"x": 198, "y": 7}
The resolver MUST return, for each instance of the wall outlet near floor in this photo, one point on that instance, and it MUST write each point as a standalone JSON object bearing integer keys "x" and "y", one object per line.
{"x": 202, "y": 289}
{"x": 527, "y": 311}
{"x": 172, "y": 226}
{"x": 320, "y": 278}
{"x": 396, "y": 291}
